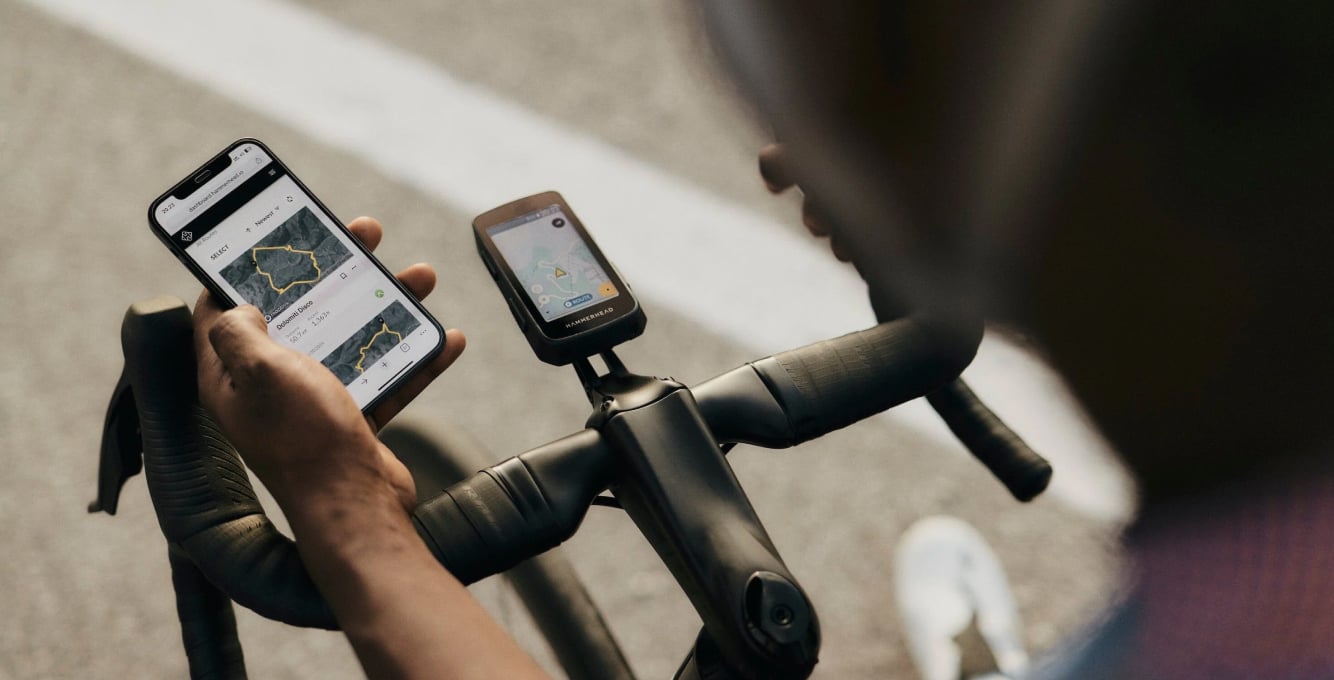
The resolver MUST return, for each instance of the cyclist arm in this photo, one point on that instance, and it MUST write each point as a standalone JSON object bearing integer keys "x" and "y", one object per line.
{"x": 405, "y": 616}
{"x": 347, "y": 497}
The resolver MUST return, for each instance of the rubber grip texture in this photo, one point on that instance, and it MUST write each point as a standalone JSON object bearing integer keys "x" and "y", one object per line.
{"x": 203, "y": 498}
{"x": 833, "y": 383}
{"x": 1022, "y": 471}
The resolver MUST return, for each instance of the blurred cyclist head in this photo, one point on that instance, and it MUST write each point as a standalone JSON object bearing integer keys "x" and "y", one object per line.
{"x": 1145, "y": 188}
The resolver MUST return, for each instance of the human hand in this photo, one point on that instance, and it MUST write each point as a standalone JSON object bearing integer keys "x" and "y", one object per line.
{"x": 291, "y": 419}
{"x": 776, "y": 172}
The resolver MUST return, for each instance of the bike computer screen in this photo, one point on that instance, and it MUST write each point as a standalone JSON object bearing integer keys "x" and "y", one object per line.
{"x": 565, "y": 296}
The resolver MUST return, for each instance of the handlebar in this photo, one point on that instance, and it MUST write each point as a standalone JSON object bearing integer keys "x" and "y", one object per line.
{"x": 204, "y": 501}
{"x": 530, "y": 503}
{"x": 814, "y": 390}
{"x": 811, "y": 391}
{"x": 516, "y": 509}
{"x": 1022, "y": 471}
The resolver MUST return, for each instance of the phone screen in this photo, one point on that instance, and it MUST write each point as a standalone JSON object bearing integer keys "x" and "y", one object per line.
{"x": 261, "y": 239}
{"x": 552, "y": 263}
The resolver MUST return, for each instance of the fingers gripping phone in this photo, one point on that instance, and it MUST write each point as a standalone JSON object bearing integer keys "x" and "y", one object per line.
{"x": 252, "y": 233}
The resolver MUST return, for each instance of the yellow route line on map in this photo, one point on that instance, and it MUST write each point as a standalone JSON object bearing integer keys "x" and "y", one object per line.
{"x": 313, "y": 262}
{"x": 384, "y": 328}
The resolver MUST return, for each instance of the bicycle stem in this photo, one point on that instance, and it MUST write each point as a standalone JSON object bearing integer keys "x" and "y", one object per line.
{"x": 678, "y": 488}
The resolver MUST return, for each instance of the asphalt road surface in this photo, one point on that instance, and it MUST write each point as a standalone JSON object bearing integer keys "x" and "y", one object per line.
{"x": 103, "y": 105}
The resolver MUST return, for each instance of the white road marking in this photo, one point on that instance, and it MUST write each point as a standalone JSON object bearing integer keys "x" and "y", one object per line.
{"x": 474, "y": 150}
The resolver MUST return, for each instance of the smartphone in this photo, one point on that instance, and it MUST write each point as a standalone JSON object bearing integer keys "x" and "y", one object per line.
{"x": 252, "y": 233}
{"x": 568, "y": 299}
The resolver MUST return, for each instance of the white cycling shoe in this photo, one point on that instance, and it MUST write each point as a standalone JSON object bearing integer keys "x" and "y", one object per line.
{"x": 958, "y": 613}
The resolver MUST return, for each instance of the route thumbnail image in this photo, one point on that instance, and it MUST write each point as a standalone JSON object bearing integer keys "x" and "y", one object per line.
{"x": 286, "y": 263}
{"x": 371, "y": 342}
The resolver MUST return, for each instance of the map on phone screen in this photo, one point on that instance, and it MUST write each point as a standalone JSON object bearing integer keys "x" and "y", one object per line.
{"x": 286, "y": 264}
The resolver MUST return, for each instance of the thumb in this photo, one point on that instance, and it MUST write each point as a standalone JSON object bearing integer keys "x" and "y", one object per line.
{"x": 241, "y": 340}
{"x": 774, "y": 169}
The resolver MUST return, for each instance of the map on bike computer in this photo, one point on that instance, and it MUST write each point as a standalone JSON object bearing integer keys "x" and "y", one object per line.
{"x": 285, "y": 264}
{"x": 553, "y": 264}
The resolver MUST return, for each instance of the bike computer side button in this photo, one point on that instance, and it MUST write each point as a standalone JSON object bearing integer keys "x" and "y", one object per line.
{"x": 518, "y": 315}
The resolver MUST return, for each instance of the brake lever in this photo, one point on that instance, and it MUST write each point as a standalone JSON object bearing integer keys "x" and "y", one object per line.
{"x": 121, "y": 455}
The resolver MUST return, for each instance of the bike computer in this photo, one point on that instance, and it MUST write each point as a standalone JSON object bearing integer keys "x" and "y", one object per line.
{"x": 566, "y": 297}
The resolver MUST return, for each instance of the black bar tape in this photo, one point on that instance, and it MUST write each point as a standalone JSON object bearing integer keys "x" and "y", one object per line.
{"x": 547, "y": 584}
{"x": 251, "y": 561}
{"x": 208, "y": 624}
{"x": 489, "y": 522}
{"x": 1022, "y": 471}
{"x": 831, "y": 384}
